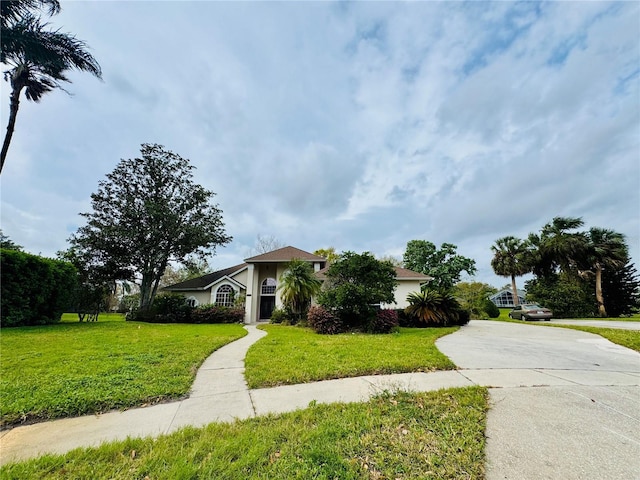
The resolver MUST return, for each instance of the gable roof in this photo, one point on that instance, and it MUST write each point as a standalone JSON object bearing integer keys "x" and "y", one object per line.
{"x": 201, "y": 283}
{"x": 405, "y": 273}
{"x": 285, "y": 254}
{"x": 401, "y": 274}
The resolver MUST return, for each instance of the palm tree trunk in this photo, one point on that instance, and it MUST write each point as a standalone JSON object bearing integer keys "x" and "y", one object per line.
{"x": 516, "y": 299}
{"x": 601, "y": 310}
{"x": 13, "y": 113}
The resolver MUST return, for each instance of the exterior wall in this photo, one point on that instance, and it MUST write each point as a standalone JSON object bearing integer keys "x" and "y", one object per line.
{"x": 241, "y": 277}
{"x": 404, "y": 288}
{"x": 203, "y": 297}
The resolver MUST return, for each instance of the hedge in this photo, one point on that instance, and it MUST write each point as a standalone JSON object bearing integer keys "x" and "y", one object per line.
{"x": 34, "y": 290}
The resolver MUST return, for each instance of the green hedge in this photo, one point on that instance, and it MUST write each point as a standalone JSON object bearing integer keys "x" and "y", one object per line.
{"x": 34, "y": 290}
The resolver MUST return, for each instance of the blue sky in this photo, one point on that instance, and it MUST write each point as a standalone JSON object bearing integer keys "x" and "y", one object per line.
{"x": 355, "y": 125}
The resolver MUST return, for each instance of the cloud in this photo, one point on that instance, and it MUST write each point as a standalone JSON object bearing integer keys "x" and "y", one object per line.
{"x": 357, "y": 125}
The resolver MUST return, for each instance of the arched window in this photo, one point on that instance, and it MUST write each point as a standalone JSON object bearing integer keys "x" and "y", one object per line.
{"x": 268, "y": 286}
{"x": 192, "y": 302}
{"x": 224, "y": 296}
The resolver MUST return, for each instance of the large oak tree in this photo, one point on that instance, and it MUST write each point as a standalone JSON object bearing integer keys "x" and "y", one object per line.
{"x": 148, "y": 212}
{"x": 444, "y": 265}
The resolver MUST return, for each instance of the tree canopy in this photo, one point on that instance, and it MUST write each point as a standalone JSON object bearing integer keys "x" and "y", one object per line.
{"x": 355, "y": 285}
{"x": 444, "y": 265}
{"x": 148, "y": 212}
{"x": 38, "y": 58}
{"x": 510, "y": 260}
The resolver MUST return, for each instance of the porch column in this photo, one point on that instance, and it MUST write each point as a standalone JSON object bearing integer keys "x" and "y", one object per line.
{"x": 249, "y": 300}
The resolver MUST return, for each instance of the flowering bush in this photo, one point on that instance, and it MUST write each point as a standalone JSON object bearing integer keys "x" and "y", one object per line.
{"x": 384, "y": 321}
{"x": 323, "y": 321}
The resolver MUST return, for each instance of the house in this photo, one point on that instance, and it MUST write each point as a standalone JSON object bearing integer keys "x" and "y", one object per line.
{"x": 257, "y": 280}
{"x": 504, "y": 298}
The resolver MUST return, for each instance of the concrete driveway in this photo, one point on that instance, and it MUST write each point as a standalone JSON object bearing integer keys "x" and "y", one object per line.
{"x": 585, "y": 426}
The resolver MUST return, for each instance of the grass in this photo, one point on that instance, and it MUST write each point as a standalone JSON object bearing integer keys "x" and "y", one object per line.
{"x": 434, "y": 435}
{"x": 625, "y": 338}
{"x": 290, "y": 355}
{"x": 74, "y": 368}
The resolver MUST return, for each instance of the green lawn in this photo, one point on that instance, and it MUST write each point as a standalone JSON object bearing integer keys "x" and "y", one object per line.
{"x": 434, "y": 435}
{"x": 290, "y": 355}
{"x": 74, "y": 368}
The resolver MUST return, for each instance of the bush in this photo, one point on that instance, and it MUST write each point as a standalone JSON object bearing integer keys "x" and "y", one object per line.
{"x": 384, "y": 322}
{"x": 284, "y": 316}
{"x": 35, "y": 290}
{"x": 491, "y": 309}
{"x": 567, "y": 297}
{"x": 217, "y": 314}
{"x": 323, "y": 321}
{"x": 166, "y": 308}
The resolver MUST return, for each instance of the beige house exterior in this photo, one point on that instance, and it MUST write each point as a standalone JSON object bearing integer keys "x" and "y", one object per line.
{"x": 257, "y": 280}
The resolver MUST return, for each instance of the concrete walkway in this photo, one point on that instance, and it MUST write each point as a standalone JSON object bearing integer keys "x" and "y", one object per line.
{"x": 541, "y": 412}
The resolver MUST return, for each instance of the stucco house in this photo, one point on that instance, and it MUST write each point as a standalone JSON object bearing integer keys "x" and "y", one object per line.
{"x": 257, "y": 280}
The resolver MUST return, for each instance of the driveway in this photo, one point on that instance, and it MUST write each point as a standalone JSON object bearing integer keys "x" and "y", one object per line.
{"x": 585, "y": 426}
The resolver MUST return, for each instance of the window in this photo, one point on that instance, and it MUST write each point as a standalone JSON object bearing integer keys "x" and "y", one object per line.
{"x": 269, "y": 286}
{"x": 224, "y": 296}
{"x": 192, "y": 302}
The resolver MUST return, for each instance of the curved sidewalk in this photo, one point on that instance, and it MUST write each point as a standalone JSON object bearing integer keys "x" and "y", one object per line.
{"x": 219, "y": 393}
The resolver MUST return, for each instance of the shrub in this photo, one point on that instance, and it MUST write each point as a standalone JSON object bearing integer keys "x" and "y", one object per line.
{"x": 434, "y": 308}
{"x": 567, "y": 297}
{"x": 217, "y": 314}
{"x": 355, "y": 285}
{"x": 35, "y": 290}
{"x": 491, "y": 309}
{"x": 285, "y": 316}
{"x": 384, "y": 321}
{"x": 167, "y": 308}
{"x": 323, "y": 321}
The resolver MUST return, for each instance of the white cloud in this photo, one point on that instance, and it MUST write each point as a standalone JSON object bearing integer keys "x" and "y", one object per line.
{"x": 357, "y": 125}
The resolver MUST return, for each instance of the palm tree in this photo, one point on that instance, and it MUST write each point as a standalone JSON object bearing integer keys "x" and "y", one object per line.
{"x": 298, "y": 285}
{"x": 558, "y": 247}
{"x": 605, "y": 249}
{"x": 509, "y": 259}
{"x": 38, "y": 58}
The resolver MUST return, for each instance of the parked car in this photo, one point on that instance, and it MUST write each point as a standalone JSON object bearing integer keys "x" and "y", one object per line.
{"x": 530, "y": 311}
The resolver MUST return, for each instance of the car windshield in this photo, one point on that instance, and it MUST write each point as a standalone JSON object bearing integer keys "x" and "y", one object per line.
{"x": 531, "y": 306}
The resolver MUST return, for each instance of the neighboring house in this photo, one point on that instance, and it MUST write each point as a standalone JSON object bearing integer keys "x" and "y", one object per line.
{"x": 257, "y": 280}
{"x": 504, "y": 298}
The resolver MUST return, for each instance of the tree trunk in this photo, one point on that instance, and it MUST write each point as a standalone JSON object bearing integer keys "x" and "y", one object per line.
{"x": 145, "y": 292}
{"x": 13, "y": 113}
{"x": 516, "y": 299}
{"x": 601, "y": 310}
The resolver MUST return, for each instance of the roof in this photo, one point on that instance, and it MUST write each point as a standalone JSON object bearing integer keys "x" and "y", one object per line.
{"x": 285, "y": 254}
{"x": 401, "y": 274}
{"x": 203, "y": 282}
{"x": 405, "y": 273}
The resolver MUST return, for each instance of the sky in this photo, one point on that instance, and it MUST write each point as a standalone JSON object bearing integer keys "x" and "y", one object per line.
{"x": 359, "y": 125}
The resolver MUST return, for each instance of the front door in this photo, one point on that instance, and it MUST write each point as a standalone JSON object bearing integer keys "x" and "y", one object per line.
{"x": 267, "y": 304}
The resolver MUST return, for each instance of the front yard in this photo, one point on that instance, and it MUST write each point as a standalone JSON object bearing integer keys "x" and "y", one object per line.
{"x": 71, "y": 369}
{"x": 290, "y": 355}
